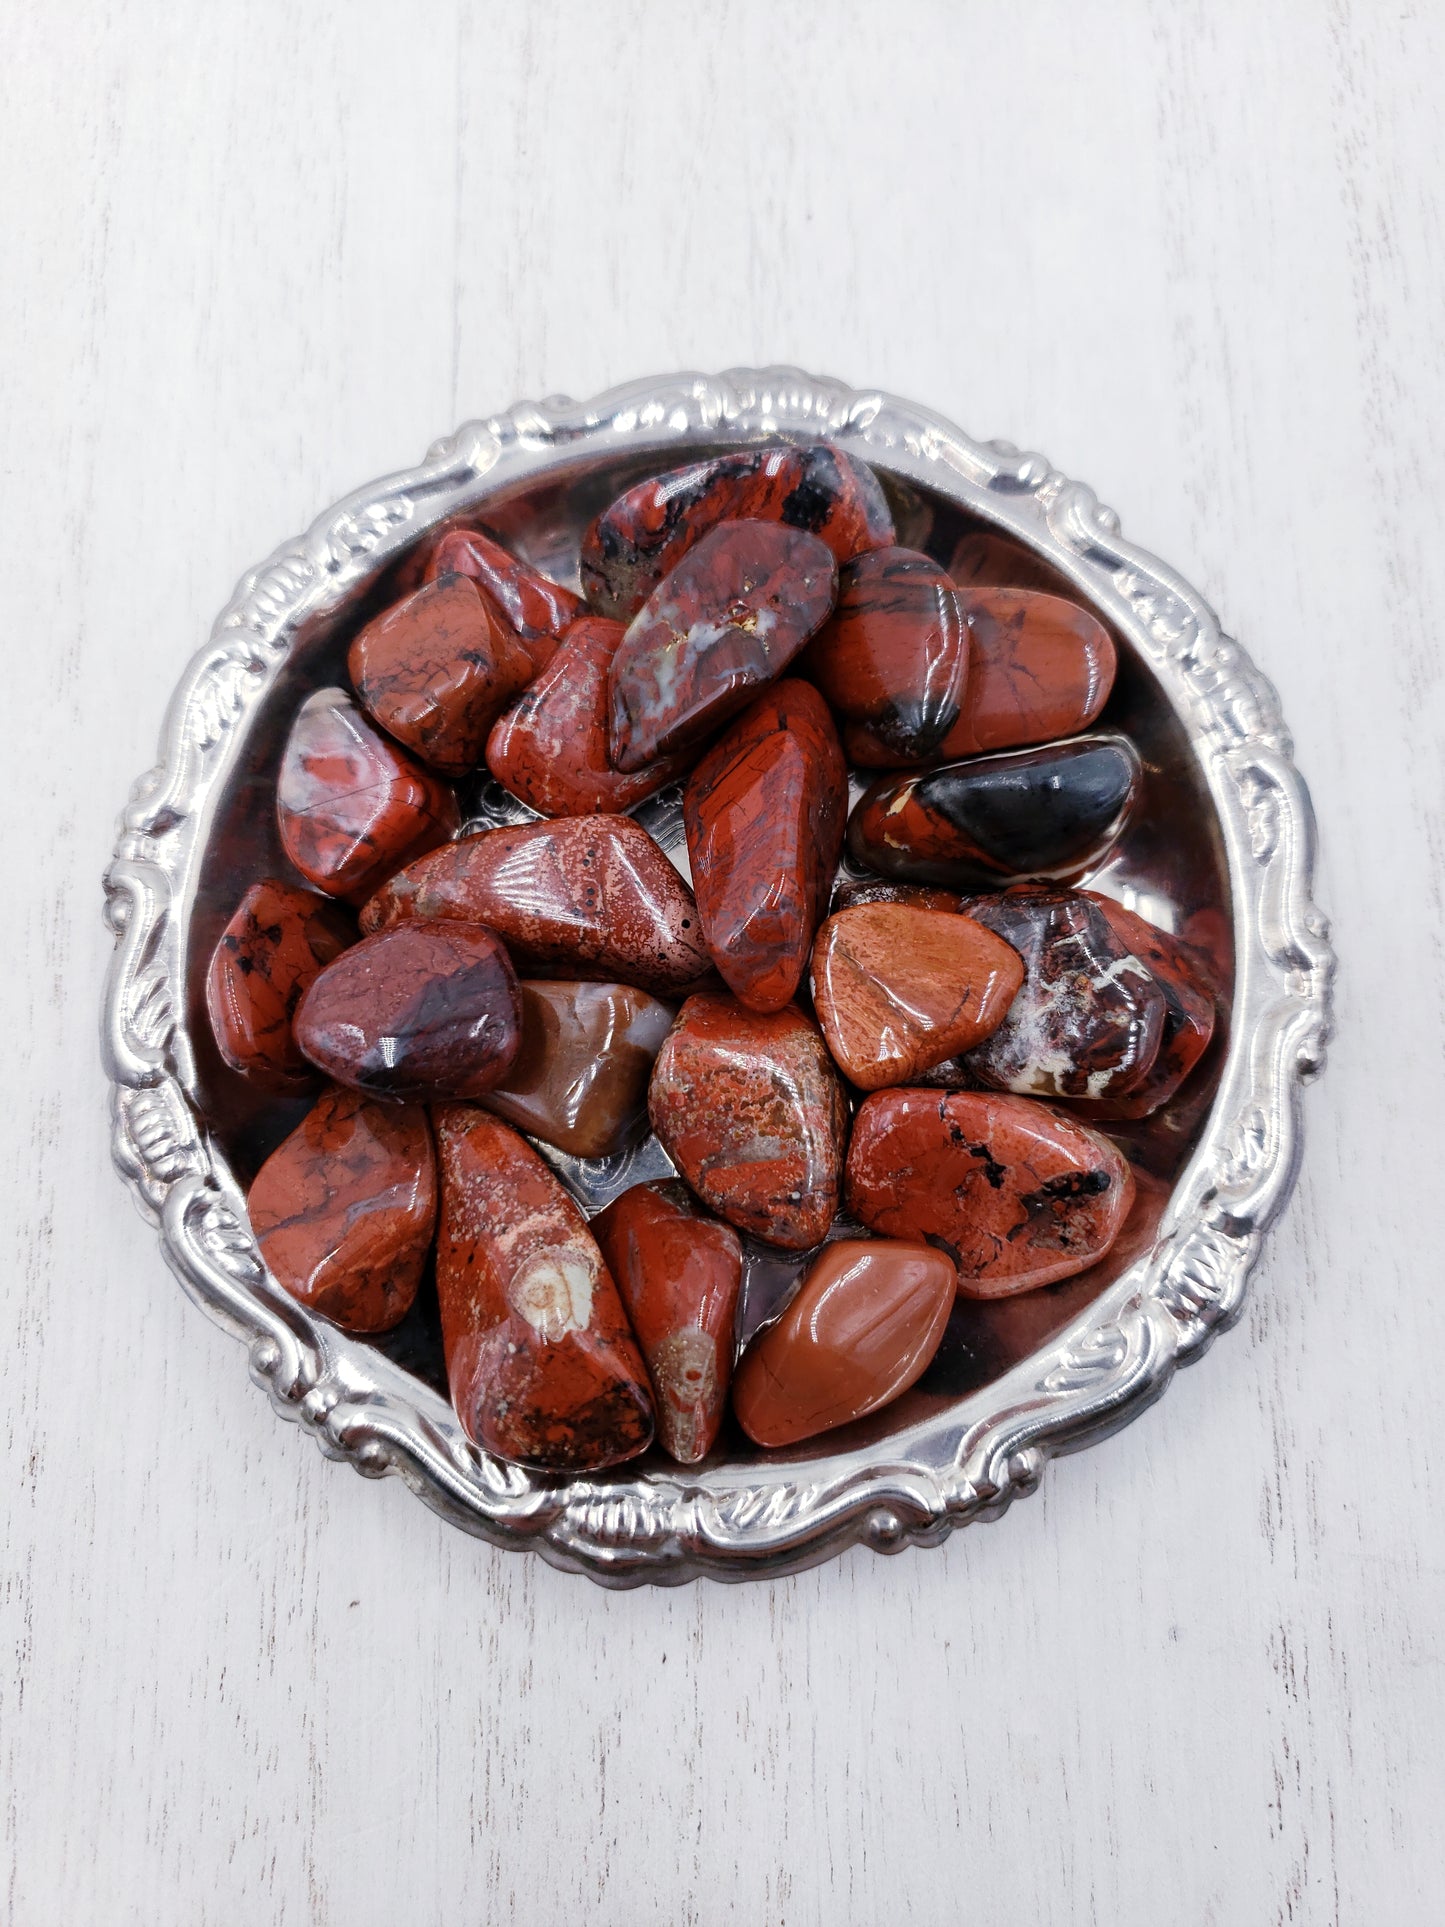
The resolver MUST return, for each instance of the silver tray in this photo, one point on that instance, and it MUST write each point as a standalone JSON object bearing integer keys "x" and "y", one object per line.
{"x": 1223, "y": 848}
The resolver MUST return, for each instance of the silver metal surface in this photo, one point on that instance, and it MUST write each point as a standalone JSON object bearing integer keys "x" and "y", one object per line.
{"x": 1223, "y": 847}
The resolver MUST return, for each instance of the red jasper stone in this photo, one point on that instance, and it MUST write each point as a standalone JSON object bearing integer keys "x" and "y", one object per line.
{"x": 551, "y": 747}
{"x": 269, "y": 955}
{"x": 984, "y": 559}
{"x": 646, "y": 532}
{"x": 1089, "y": 1019}
{"x": 436, "y": 670}
{"x": 541, "y": 1364}
{"x": 344, "y": 1210}
{"x": 750, "y": 1110}
{"x": 764, "y": 813}
{"x": 536, "y": 610}
{"x": 582, "y": 896}
{"x": 899, "y": 989}
{"x": 864, "y": 1326}
{"x": 425, "y": 1010}
{"x": 679, "y": 1273}
{"x": 731, "y": 616}
{"x": 1018, "y": 1194}
{"x": 352, "y": 807}
{"x": 1189, "y": 1011}
{"x": 849, "y": 892}
{"x": 894, "y": 653}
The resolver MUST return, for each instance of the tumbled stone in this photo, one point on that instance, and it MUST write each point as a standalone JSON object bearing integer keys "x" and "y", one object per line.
{"x": 1089, "y": 1019}
{"x": 1184, "y": 977}
{"x": 764, "y": 813}
{"x": 344, "y": 1210}
{"x": 864, "y": 1326}
{"x": 899, "y": 989}
{"x": 587, "y": 896}
{"x": 1016, "y": 1193}
{"x": 268, "y": 957}
{"x": 579, "y": 1079}
{"x": 536, "y": 610}
{"x": 1050, "y": 812}
{"x": 436, "y": 670}
{"x": 986, "y": 559}
{"x": 541, "y": 1364}
{"x": 646, "y": 532}
{"x": 679, "y": 1272}
{"x": 749, "y": 1108}
{"x": 731, "y": 616}
{"x": 850, "y": 892}
{"x": 894, "y": 654}
{"x": 427, "y": 1010}
{"x": 550, "y": 748}
{"x": 352, "y": 807}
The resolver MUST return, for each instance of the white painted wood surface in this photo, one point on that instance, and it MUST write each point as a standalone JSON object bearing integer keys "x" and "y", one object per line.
{"x": 253, "y": 254}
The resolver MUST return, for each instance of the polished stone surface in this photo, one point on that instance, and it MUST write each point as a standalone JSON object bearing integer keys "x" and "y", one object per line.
{"x": 580, "y": 1078}
{"x": 679, "y": 1272}
{"x": 351, "y": 806}
{"x": 764, "y": 813}
{"x": 898, "y": 989}
{"x": 1184, "y": 976}
{"x": 986, "y": 559}
{"x": 589, "y": 897}
{"x": 1040, "y": 667}
{"x": 344, "y": 1210}
{"x": 750, "y": 1109}
{"x": 536, "y": 610}
{"x": 850, "y": 892}
{"x": 1017, "y": 1193}
{"x": 542, "y": 1365}
{"x": 269, "y": 955}
{"x": 646, "y": 532}
{"x": 427, "y": 1010}
{"x": 864, "y": 1326}
{"x": 730, "y": 617}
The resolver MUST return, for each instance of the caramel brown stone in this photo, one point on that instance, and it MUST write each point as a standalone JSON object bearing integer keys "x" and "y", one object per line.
{"x": 535, "y": 609}
{"x": 344, "y": 1210}
{"x": 268, "y": 957}
{"x": 542, "y": 1367}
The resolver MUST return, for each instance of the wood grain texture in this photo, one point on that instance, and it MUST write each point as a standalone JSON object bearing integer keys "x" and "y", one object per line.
{"x": 257, "y": 253}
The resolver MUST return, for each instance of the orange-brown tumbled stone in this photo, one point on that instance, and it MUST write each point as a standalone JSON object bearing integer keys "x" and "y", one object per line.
{"x": 536, "y": 609}
{"x": 863, "y": 1328}
{"x": 898, "y": 989}
{"x": 345, "y": 1208}
{"x": 269, "y": 955}
{"x": 1016, "y": 1193}
{"x": 679, "y": 1272}
{"x": 542, "y": 1366}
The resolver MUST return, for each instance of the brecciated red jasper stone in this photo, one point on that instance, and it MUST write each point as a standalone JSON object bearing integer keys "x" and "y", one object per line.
{"x": 580, "y": 1077}
{"x": 582, "y": 896}
{"x": 750, "y": 1110}
{"x": 894, "y": 653}
{"x": 351, "y": 807}
{"x": 425, "y": 1010}
{"x": 679, "y": 1273}
{"x": 551, "y": 746}
{"x": 535, "y": 609}
{"x": 540, "y": 1361}
{"x": 898, "y": 989}
{"x": 345, "y": 1209}
{"x": 1089, "y": 1019}
{"x": 1016, "y": 1193}
{"x": 269, "y": 955}
{"x": 863, "y": 1328}
{"x": 1185, "y": 979}
{"x": 436, "y": 670}
{"x": 646, "y": 532}
{"x": 764, "y": 813}
{"x": 730, "y": 617}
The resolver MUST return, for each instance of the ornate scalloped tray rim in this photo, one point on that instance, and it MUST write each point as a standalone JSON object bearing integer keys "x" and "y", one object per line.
{"x": 966, "y": 1463}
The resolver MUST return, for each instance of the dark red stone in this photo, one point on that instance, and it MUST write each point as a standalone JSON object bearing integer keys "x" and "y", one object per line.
{"x": 731, "y": 616}
{"x": 679, "y": 1272}
{"x": 1185, "y": 979}
{"x": 436, "y": 669}
{"x": 985, "y": 559}
{"x": 427, "y": 1010}
{"x": 269, "y": 955}
{"x": 352, "y": 807}
{"x": 344, "y": 1210}
{"x": 764, "y": 812}
{"x": 850, "y": 892}
{"x": 581, "y": 896}
{"x": 535, "y": 609}
{"x": 1015, "y": 1192}
{"x": 750, "y": 1110}
{"x": 551, "y": 746}
{"x": 646, "y": 532}
{"x": 541, "y": 1364}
